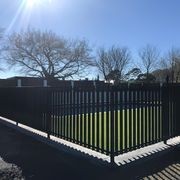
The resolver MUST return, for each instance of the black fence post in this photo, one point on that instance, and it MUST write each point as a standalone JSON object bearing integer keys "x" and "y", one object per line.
{"x": 48, "y": 120}
{"x": 165, "y": 112}
{"x": 112, "y": 153}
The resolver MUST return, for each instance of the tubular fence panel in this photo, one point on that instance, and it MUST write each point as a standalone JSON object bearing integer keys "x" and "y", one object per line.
{"x": 28, "y": 106}
{"x": 137, "y": 118}
{"x": 171, "y": 112}
{"x": 108, "y": 119}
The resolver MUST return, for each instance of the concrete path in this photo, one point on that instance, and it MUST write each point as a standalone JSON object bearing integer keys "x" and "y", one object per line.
{"x": 37, "y": 160}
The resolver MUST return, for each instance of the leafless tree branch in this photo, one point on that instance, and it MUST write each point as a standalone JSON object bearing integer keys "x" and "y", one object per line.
{"x": 149, "y": 57}
{"x": 47, "y": 55}
{"x": 113, "y": 62}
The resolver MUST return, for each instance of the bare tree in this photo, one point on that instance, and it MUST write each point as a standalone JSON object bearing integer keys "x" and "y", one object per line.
{"x": 112, "y": 63}
{"x": 45, "y": 54}
{"x": 102, "y": 62}
{"x": 171, "y": 62}
{"x": 149, "y": 56}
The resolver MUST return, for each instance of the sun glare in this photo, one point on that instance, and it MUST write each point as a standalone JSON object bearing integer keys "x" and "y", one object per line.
{"x": 32, "y": 3}
{"x": 25, "y": 10}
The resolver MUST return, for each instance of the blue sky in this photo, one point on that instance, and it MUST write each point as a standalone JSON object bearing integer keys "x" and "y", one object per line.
{"x": 131, "y": 23}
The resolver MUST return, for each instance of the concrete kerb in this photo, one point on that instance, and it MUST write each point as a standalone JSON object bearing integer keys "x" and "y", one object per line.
{"x": 128, "y": 159}
{"x": 60, "y": 144}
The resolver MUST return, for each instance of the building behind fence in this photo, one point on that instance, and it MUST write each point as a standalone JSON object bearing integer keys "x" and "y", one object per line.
{"x": 19, "y": 81}
{"x": 108, "y": 119}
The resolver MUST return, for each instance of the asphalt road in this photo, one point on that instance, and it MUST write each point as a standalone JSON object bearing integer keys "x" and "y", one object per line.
{"x": 39, "y": 161}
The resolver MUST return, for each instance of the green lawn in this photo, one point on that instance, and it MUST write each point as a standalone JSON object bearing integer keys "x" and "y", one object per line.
{"x": 132, "y": 127}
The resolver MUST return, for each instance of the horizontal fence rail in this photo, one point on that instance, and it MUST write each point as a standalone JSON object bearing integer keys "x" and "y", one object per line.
{"x": 108, "y": 119}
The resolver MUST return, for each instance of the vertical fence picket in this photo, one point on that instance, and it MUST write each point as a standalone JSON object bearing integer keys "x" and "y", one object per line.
{"x": 81, "y": 117}
{"x": 126, "y": 134}
{"x": 58, "y": 114}
{"x": 142, "y": 117}
{"x": 93, "y": 119}
{"x": 138, "y": 118}
{"x": 112, "y": 153}
{"x": 49, "y": 107}
{"x": 150, "y": 115}
{"x": 89, "y": 118}
{"x": 146, "y": 120}
{"x": 74, "y": 115}
{"x": 55, "y": 113}
{"x": 116, "y": 123}
{"x": 130, "y": 110}
{"x": 107, "y": 121}
{"x": 173, "y": 112}
{"x": 153, "y": 115}
{"x": 121, "y": 107}
{"x": 159, "y": 113}
{"x": 64, "y": 113}
{"x": 85, "y": 118}
{"x": 156, "y": 115}
{"x": 52, "y": 112}
{"x": 134, "y": 120}
{"x": 165, "y": 112}
{"x": 70, "y": 115}
{"x": 97, "y": 120}
{"x": 77, "y": 115}
{"x": 102, "y": 120}
{"x": 61, "y": 113}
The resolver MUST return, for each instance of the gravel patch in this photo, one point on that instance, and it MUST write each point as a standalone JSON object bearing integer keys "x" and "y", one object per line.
{"x": 9, "y": 171}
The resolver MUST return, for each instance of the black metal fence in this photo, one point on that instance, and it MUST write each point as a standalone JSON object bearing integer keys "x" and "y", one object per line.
{"x": 108, "y": 119}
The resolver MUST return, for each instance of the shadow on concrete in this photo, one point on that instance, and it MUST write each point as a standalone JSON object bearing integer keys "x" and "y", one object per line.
{"x": 58, "y": 161}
